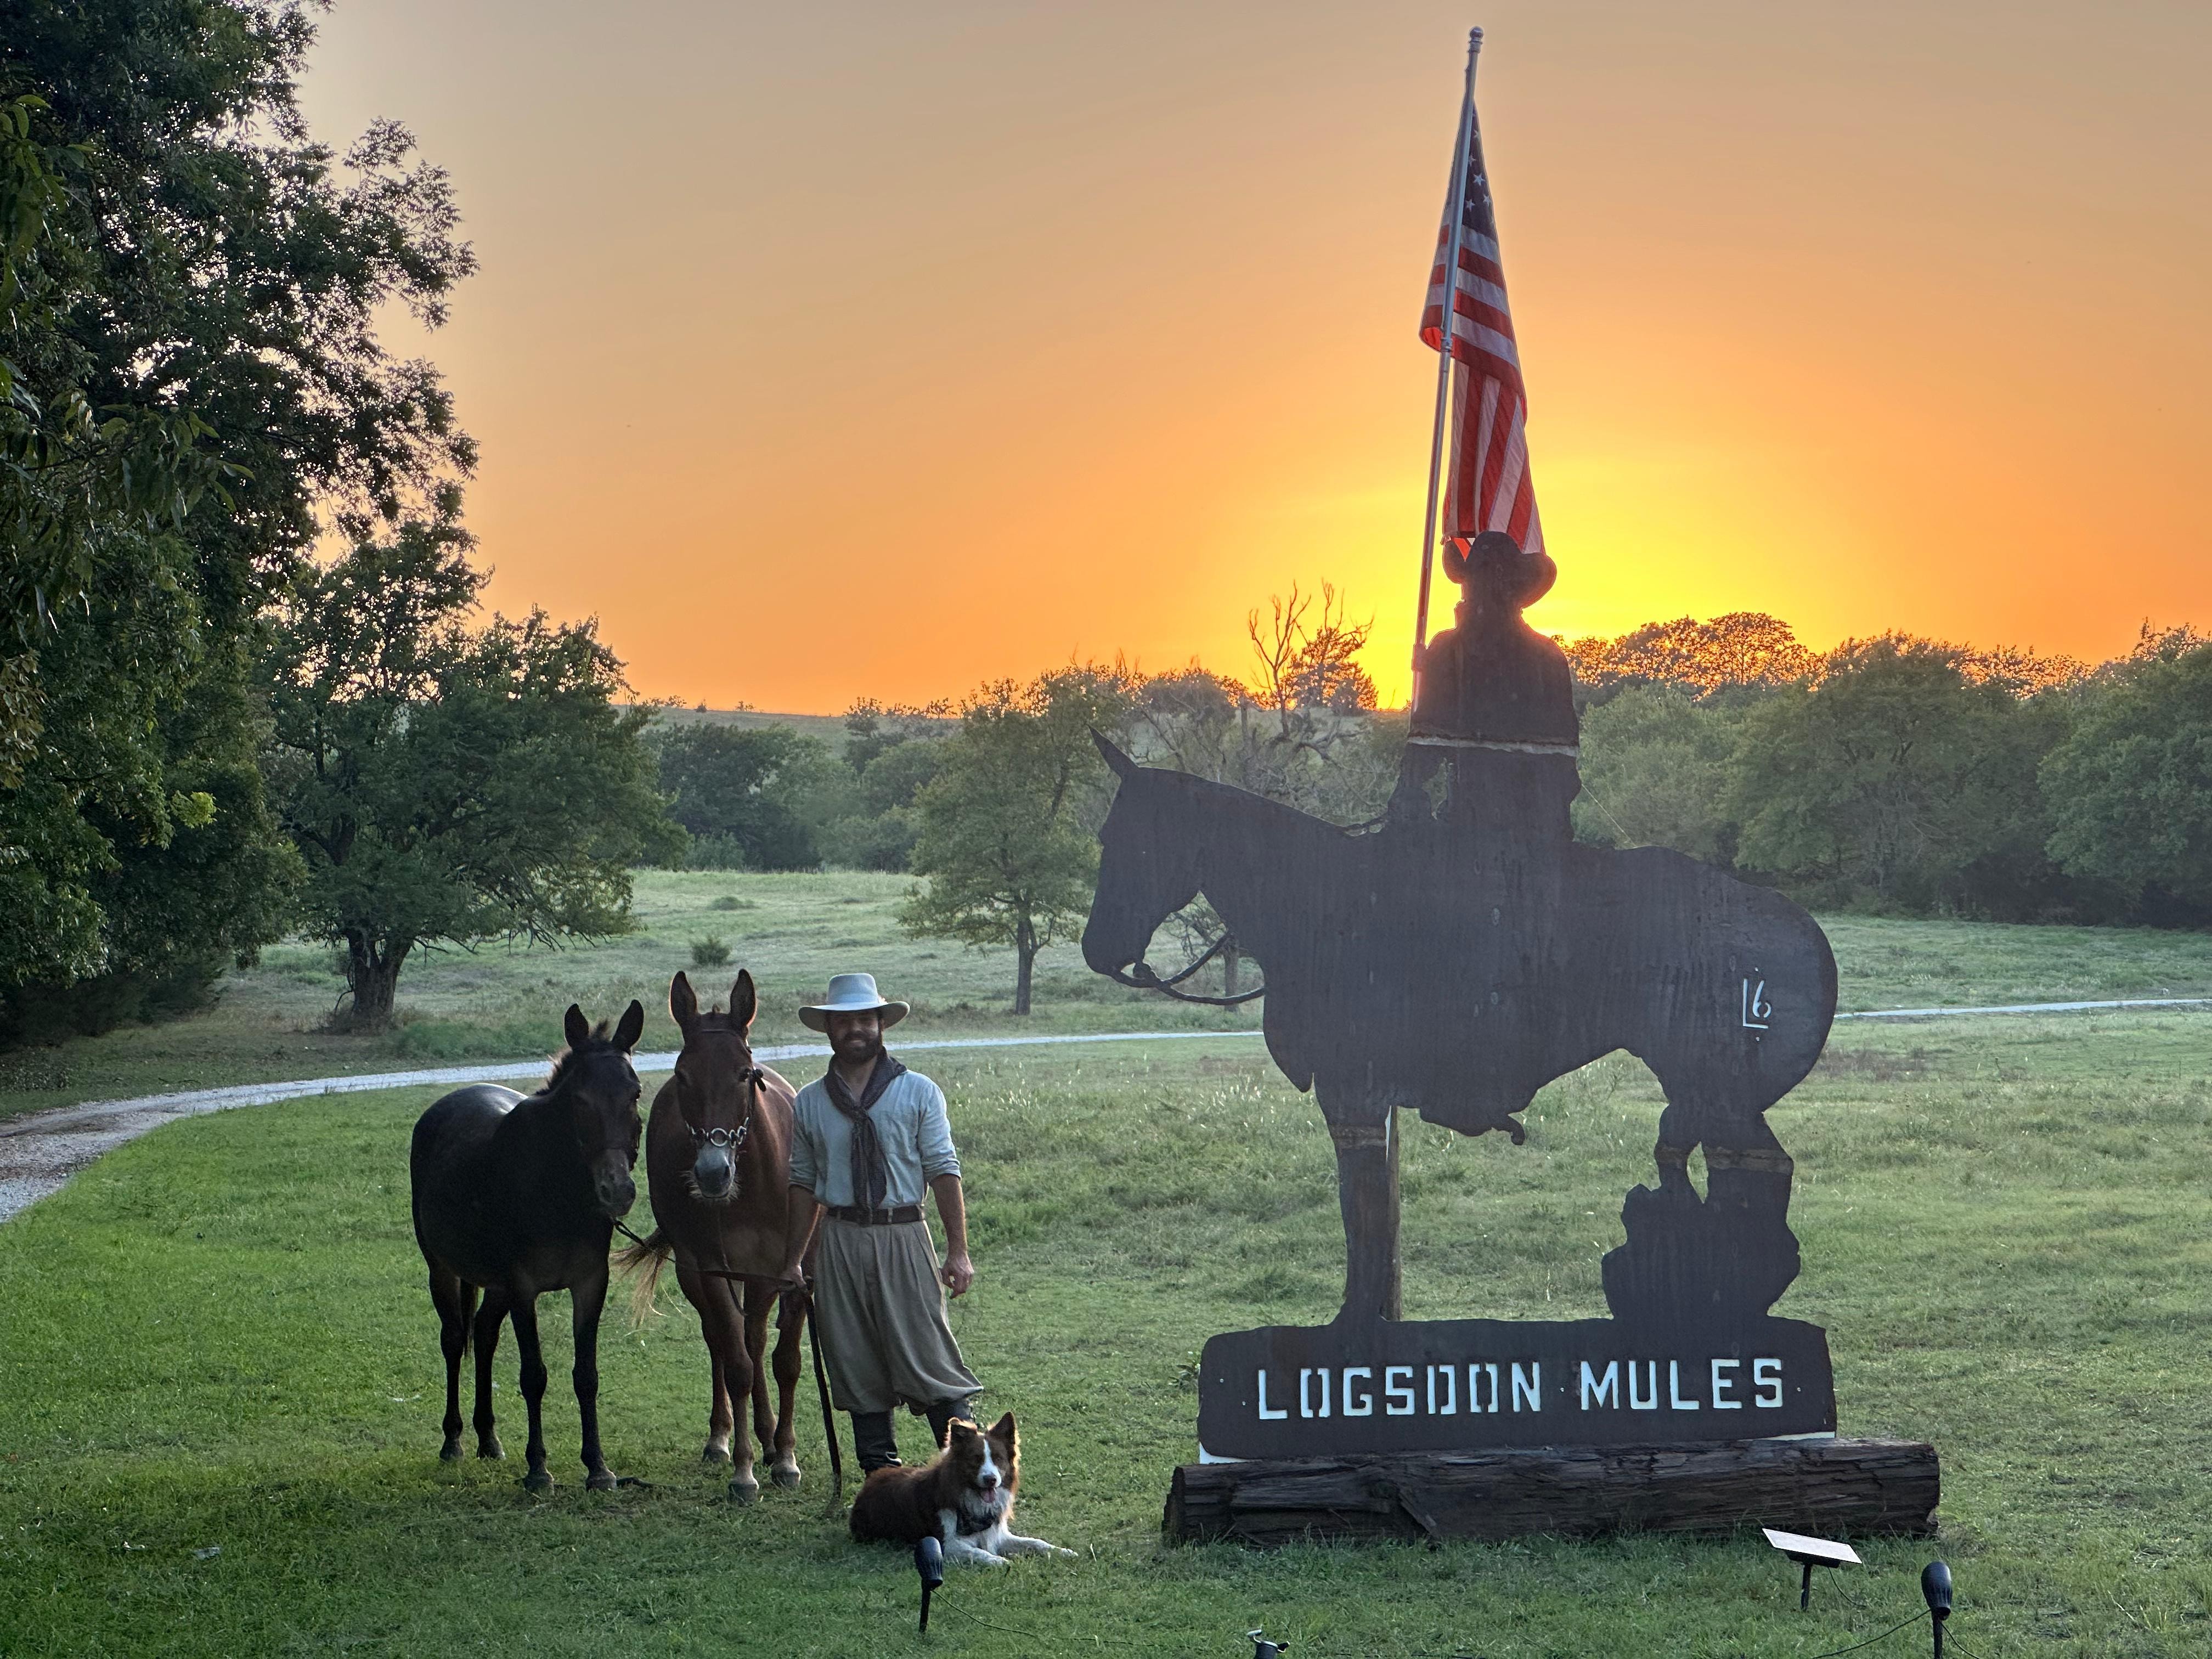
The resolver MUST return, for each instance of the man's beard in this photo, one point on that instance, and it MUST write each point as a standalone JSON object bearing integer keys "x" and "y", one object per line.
{"x": 858, "y": 1048}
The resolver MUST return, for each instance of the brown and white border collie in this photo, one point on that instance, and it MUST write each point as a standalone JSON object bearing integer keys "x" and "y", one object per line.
{"x": 964, "y": 1497}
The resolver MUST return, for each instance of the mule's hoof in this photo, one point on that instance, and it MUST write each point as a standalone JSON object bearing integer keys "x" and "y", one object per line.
{"x": 538, "y": 1480}
{"x": 600, "y": 1480}
{"x": 743, "y": 1490}
{"x": 785, "y": 1475}
{"x": 451, "y": 1451}
{"x": 488, "y": 1446}
{"x": 715, "y": 1454}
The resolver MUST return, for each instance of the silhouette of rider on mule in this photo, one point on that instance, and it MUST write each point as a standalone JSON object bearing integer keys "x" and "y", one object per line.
{"x": 1469, "y": 951}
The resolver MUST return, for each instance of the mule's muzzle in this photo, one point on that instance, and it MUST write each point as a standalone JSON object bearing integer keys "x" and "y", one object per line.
{"x": 613, "y": 1189}
{"x": 1104, "y": 955}
{"x": 714, "y": 1172}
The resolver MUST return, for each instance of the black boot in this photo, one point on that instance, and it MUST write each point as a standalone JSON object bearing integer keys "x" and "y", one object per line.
{"x": 941, "y": 1415}
{"x": 875, "y": 1442}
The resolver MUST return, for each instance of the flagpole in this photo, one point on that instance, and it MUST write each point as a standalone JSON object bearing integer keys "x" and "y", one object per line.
{"x": 1456, "y": 215}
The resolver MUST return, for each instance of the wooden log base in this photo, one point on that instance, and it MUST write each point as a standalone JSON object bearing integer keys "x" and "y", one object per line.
{"x": 1828, "y": 1488}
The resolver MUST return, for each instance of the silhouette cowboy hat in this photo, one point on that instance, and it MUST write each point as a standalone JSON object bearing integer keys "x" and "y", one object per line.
{"x": 852, "y": 993}
{"x": 1516, "y": 578}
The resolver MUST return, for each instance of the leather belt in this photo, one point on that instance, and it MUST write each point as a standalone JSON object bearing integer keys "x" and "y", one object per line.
{"x": 895, "y": 1217}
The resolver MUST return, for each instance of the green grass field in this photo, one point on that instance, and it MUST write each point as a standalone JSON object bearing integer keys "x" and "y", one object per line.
{"x": 217, "y": 1338}
{"x": 503, "y": 1002}
{"x": 794, "y": 931}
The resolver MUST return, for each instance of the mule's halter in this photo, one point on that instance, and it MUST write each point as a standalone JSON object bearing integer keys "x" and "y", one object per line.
{"x": 733, "y": 1138}
{"x": 1141, "y": 975}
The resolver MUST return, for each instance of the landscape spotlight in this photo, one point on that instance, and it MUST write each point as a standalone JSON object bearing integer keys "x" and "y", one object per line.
{"x": 929, "y": 1562}
{"x": 1811, "y": 1552}
{"x": 1935, "y": 1586}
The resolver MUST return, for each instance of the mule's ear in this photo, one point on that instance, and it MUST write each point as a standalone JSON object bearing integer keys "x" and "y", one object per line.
{"x": 683, "y": 1001}
{"x": 575, "y": 1027}
{"x": 745, "y": 1001}
{"x": 1004, "y": 1430}
{"x": 1122, "y": 766}
{"x": 632, "y": 1026}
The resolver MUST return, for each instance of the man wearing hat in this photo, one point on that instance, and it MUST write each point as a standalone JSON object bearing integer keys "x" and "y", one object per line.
{"x": 870, "y": 1134}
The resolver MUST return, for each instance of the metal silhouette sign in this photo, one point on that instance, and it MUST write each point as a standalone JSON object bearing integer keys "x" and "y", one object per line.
{"x": 1451, "y": 961}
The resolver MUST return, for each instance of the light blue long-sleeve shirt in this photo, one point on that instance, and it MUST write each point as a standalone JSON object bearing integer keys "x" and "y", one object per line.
{"x": 910, "y": 1122}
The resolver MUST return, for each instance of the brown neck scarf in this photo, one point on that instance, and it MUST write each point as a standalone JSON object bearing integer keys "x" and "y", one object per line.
{"x": 872, "y": 1177}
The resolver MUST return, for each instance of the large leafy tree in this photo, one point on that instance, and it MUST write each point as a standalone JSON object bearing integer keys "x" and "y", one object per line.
{"x": 1008, "y": 825}
{"x": 1892, "y": 776}
{"x": 1743, "y": 649}
{"x": 1655, "y": 770}
{"x": 892, "y": 752}
{"x": 755, "y": 797}
{"x": 445, "y": 784}
{"x": 2130, "y": 790}
{"x": 193, "y": 392}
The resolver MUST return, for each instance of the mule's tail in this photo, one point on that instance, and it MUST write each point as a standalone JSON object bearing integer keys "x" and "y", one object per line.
{"x": 651, "y": 1254}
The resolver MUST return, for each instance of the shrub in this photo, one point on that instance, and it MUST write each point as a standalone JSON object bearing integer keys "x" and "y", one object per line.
{"x": 708, "y": 952}
{"x": 715, "y": 853}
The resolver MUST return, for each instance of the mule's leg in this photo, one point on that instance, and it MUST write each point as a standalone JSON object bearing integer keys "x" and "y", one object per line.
{"x": 719, "y": 1417}
{"x": 759, "y": 1301}
{"x": 587, "y": 1299}
{"x": 722, "y": 1324}
{"x": 488, "y": 1317}
{"x": 455, "y": 1302}
{"x": 537, "y": 1477}
{"x": 1367, "y": 1194}
{"x": 784, "y": 1471}
{"x": 717, "y": 1450}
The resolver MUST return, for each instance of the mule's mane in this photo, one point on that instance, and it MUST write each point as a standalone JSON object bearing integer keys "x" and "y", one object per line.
{"x": 1230, "y": 798}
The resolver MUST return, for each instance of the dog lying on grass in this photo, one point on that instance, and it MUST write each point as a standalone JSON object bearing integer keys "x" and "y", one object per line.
{"x": 963, "y": 1497}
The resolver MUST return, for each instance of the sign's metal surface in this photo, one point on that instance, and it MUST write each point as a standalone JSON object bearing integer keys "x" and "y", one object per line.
{"x": 1486, "y": 1384}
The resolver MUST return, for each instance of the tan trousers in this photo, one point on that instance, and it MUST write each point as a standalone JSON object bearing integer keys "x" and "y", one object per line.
{"x": 881, "y": 1311}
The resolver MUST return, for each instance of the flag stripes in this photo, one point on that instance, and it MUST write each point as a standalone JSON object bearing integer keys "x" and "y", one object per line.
{"x": 1489, "y": 487}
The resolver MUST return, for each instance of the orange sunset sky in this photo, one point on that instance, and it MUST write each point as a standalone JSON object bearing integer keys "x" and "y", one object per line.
{"x": 835, "y": 350}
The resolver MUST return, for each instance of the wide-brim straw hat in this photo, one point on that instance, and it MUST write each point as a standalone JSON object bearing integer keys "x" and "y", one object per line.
{"x": 852, "y": 993}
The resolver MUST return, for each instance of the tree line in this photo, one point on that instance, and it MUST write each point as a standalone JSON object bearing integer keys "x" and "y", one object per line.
{"x": 1897, "y": 775}
{"x": 1908, "y": 775}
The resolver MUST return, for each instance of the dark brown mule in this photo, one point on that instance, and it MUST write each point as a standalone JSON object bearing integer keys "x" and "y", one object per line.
{"x": 718, "y": 1163}
{"x": 515, "y": 1197}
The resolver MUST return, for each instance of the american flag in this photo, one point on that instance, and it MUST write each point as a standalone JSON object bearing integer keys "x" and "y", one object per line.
{"x": 1490, "y": 488}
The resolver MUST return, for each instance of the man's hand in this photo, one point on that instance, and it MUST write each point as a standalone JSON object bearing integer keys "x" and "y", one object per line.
{"x": 959, "y": 1272}
{"x": 792, "y": 1276}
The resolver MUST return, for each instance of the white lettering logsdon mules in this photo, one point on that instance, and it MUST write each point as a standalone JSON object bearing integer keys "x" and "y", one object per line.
{"x": 1287, "y": 1391}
